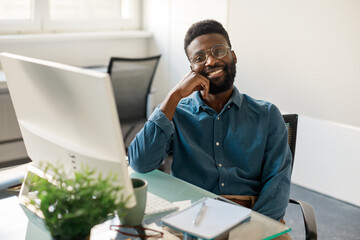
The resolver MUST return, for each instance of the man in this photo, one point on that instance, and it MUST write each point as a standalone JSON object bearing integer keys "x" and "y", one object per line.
{"x": 223, "y": 141}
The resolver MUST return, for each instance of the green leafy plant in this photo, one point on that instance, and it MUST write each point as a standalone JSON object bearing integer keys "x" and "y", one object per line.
{"x": 71, "y": 206}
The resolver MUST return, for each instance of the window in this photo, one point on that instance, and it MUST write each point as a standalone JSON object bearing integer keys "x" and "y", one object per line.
{"x": 30, "y": 16}
{"x": 15, "y": 10}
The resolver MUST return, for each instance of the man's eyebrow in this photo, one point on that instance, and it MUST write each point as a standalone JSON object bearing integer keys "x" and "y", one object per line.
{"x": 201, "y": 50}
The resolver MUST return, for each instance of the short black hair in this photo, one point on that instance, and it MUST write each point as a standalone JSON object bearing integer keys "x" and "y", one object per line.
{"x": 204, "y": 27}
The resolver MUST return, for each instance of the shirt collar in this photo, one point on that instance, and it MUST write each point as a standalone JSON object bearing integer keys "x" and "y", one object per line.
{"x": 235, "y": 98}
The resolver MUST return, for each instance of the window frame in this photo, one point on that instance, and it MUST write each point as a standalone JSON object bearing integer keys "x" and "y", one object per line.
{"x": 41, "y": 23}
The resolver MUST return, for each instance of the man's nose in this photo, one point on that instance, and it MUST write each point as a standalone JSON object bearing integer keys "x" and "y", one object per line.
{"x": 211, "y": 60}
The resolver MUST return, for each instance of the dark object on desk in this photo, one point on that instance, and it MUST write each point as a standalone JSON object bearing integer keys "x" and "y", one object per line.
{"x": 139, "y": 229}
{"x": 306, "y": 209}
{"x": 131, "y": 79}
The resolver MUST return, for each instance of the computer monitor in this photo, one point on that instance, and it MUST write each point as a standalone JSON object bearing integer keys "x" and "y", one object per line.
{"x": 67, "y": 115}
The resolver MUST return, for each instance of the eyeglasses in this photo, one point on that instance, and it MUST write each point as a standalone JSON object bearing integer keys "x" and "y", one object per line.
{"x": 126, "y": 230}
{"x": 218, "y": 51}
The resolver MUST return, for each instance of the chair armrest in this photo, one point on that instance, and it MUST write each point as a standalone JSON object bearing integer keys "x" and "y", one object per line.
{"x": 309, "y": 219}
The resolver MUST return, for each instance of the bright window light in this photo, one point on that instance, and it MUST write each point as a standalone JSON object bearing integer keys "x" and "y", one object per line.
{"x": 84, "y": 9}
{"x": 46, "y": 16}
{"x": 15, "y": 10}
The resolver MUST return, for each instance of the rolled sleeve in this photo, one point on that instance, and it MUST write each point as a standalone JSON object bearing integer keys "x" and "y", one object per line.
{"x": 152, "y": 144}
{"x": 160, "y": 119}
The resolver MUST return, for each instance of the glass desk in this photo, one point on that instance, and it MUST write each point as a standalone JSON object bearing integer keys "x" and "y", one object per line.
{"x": 14, "y": 223}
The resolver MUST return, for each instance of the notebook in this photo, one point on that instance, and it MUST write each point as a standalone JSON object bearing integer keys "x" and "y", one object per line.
{"x": 213, "y": 218}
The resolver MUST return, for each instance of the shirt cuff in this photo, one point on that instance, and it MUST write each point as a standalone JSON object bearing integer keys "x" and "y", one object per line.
{"x": 160, "y": 119}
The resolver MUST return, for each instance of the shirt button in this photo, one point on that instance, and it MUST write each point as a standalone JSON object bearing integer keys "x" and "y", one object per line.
{"x": 220, "y": 165}
{"x": 217, "y": 143}
{"x": 228, "y": 106}
{"x": 222, "y": 184}
{"x": 218, "y": 118}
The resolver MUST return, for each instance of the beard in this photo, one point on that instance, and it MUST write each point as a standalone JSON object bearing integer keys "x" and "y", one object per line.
{"x": 230, "y": 73}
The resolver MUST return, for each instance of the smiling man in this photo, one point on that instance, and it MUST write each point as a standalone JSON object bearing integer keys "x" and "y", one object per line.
{"x": 221, "y": 140}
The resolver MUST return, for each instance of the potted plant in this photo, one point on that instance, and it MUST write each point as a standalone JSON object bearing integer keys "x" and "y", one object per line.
{"x": 71, "y": 206}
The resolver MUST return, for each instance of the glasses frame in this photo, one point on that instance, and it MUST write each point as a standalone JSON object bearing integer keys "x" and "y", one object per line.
{"x": 211, "y": 52}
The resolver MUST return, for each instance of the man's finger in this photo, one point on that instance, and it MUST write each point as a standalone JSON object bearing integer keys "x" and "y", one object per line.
{"x": 205, "y": 85}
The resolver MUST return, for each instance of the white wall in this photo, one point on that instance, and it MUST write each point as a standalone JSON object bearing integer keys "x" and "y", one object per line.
{"x": 156, "y": 20}
{"x": 304, "y": 56}
{"x": 327, "y": 158}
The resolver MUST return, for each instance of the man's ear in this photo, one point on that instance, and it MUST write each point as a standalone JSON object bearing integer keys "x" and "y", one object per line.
{"x": 234, "y": 56}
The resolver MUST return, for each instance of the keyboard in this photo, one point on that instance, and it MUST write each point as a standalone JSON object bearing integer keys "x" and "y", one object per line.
{"x": 156, "y": 204}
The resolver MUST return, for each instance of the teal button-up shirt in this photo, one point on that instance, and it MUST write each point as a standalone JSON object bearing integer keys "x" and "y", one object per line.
{"x": 243, "y": 150}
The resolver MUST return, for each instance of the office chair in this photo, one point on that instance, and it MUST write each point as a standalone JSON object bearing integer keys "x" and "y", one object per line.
{"x": 131, "y": 79}
{"x": 307, "y": 210}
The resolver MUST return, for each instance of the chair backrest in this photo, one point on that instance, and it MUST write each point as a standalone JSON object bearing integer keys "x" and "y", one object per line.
{"x": 291, "y": 121}
{"x": 132, "y": 79}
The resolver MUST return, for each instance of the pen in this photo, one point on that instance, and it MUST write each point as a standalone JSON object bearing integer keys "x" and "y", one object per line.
{"x": 200, "y": 213}
{"x": 225, "y": 200}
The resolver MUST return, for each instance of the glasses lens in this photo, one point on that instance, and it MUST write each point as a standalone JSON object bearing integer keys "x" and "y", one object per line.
{"x": 219, "y": 51}
{"x": 199, "y": 57}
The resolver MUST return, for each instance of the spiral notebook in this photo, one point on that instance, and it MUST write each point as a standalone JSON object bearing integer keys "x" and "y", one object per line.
{"x": 212, "y": 218}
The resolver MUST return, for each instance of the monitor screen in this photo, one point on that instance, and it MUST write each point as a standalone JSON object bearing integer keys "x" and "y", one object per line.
{"x": 67, "y": 115}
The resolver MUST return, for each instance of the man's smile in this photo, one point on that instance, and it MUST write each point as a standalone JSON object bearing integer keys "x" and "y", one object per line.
{"x": 215, "y": 73}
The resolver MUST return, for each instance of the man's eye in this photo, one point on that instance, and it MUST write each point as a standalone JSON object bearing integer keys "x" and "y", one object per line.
{"x": 218, "y": 52}
{"x": 198, "y": 58}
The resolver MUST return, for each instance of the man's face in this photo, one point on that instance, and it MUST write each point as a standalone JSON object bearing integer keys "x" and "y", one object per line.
{"x": 220, "y": 72}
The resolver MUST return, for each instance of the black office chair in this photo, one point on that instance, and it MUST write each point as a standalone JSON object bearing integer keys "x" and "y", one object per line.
{"x": 131, "y": 79}
{"x": 307, "y": 210}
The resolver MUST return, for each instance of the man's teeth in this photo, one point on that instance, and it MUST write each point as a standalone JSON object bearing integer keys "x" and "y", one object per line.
{"x": 216, "y": 72}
